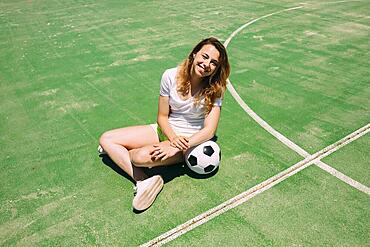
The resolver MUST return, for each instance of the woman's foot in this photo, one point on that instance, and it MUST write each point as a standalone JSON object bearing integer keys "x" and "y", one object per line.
{"x": 146, "y": 192}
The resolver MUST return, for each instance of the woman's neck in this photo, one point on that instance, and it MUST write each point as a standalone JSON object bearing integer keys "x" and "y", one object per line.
{"x": 195, "y": 83}
{"x": 195, "y": 80}
{"x": 195, "y": 87}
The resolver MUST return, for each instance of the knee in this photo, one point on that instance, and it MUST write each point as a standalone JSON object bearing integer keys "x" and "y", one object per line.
{"x": 140, "y": 157}
{"x": 106, "y": 138}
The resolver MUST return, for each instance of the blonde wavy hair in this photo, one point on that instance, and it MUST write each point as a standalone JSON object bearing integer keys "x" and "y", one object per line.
{"x": 214, "y": 85}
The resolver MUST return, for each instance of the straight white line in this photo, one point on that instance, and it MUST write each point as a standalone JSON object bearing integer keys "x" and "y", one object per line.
{"x": 294, "y": 146}
{"x": 259, "y": 188}
{"x": 245, "y": 196}
{"x": 343, "y": 177}
{"x": 271, "y": 130}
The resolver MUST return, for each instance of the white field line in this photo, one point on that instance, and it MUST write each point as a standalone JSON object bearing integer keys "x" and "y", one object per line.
{"x": 246, "y": 108}
{"x": 343, "y": 177}
{"x": 264, "y": 124}
{"x": 294, "y": 146}
{"x": 245, "y": 196}
{"x": 226, "y": 43}
{"x": 344, "y": 1}
{"x": 275, "y": 133}
{"x": 259, "y": 188}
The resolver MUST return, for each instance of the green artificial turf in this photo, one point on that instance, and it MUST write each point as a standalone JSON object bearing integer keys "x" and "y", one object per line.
{"x": 312, "y": 208}
{"x": 71, "y": 70}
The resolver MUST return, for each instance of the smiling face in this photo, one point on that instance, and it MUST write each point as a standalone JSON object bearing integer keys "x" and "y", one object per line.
{"x": 206, "y": 61}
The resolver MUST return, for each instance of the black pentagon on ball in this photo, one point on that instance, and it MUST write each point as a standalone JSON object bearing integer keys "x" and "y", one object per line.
{"x": 192, "y": 160}
{"x": 208, "y": 150}
{"x": 209, "y": 168}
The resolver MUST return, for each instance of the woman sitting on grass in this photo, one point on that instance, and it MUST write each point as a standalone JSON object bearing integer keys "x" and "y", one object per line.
{"x": 188, "y": 113}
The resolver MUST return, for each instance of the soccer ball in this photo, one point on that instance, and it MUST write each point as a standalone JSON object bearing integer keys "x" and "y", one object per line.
{"x": 204, "y": 158}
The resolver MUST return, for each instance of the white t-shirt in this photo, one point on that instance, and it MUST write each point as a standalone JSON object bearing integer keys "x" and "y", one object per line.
{"x": 185, "y": 118}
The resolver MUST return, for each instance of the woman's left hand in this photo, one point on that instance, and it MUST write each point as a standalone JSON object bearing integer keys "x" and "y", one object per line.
{"x": 163, "y": 151}
{"x": 180, "y": 142}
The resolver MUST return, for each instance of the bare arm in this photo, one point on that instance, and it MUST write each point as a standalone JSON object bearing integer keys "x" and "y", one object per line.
{"x": 180, "y": 142}
{"x": 209, "y": 129}
{"x": 164, "y": 150}
{"x": 162, "y": 117}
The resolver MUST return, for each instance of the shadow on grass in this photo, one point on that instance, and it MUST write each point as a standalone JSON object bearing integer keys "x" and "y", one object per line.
{"x": 168, "y": 173}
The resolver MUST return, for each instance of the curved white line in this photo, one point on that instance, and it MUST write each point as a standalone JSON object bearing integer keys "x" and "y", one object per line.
{"x": 274, "y": 132}
{"x": 267, "y": 184}
{"x": 264, "y": 124}
{"x": 228, "y": 40}
{"x": 246, "y": 108}
{"x": 257, "y": 189}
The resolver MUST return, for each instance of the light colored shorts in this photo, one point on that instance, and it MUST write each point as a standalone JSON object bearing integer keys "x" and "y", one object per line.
{"x": 162, "y": 137}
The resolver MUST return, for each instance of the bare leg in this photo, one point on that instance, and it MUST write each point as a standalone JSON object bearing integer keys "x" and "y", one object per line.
{"x": 118, "y": 142}
{"x": 148, "y": 189}
{"x": 141, "y": 157}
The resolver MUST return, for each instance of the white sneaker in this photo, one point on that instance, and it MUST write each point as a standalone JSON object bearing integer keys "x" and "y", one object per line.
{"x": 101, "y": 150}
{"x": 146, "y": 192}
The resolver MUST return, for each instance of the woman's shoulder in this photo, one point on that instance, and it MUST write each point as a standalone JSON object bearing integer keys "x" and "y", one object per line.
{"x": 169, "y": 77}
{"x": 168, "y": 81}
{"x": 170, "y": 73}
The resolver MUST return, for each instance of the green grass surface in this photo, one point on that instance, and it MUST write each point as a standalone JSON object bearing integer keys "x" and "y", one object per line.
{"x": 71, "y": 70}
{"x": 311, "y": 208}
{"x": 310, "y": 79}
{"x": 357, "y": 165}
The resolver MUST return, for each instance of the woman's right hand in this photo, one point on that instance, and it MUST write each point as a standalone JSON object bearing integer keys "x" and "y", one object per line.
{"x": 180, "y": 142}
{"x": 163, "y": 151}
